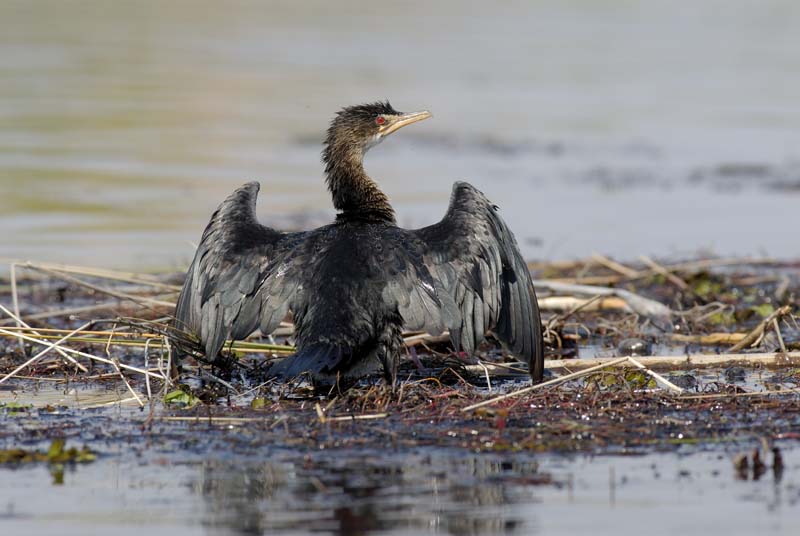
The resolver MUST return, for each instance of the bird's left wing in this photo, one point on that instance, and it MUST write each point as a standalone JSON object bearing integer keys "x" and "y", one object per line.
{"x": 468, "y": 268}
{"x": 244, "y": 275}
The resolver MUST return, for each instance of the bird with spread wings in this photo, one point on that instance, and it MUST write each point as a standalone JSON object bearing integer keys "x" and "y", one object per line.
{"x": 353, "y": 286}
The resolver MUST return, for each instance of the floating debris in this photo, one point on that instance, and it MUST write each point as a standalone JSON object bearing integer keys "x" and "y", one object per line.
{"x": 635, "y": 347}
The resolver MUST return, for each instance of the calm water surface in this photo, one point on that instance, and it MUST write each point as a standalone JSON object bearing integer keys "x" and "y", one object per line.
{"x": 597, "y": 126}
{"x": 421, "y": 492}
{"x": 658, "y": 128}
{"x": 181, "y": 478}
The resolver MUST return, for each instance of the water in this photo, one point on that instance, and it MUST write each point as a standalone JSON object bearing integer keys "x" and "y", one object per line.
{"x": 282, "y": 471}
{"x": 252, "y": 475}
{"x": 616, "y": 127}
{"x": 422, "y": 492}
{"x": 626, "y": 128}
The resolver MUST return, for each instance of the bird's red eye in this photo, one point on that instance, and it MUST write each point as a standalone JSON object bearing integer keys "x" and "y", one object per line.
{"x": 380, "y": 120}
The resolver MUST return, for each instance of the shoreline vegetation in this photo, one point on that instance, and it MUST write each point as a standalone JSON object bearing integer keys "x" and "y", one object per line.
{"x": 671, "y": 349}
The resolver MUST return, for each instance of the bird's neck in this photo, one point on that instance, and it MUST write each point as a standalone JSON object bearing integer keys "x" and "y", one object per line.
{"x": 355, "y": 195}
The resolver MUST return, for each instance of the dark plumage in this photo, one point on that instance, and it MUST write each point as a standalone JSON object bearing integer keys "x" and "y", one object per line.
{"x": 355, "y": 284}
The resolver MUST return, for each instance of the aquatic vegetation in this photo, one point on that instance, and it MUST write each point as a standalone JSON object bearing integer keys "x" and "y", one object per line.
{"x": 638, "y": 358}
{"x": 57, "y": 453}
{"x": 181, "y": 397}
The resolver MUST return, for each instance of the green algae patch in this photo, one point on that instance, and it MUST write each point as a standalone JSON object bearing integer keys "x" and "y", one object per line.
{"x": 258, "y": 403}
{"x": 57, "y": 453}
{"x": 13, "y": 409}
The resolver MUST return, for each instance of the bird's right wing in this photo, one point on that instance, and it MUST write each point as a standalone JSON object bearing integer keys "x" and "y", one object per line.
{"x": 244, "y": 275}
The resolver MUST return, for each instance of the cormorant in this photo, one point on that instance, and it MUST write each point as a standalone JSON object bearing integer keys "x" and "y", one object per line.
{"x": 354, "y": 285}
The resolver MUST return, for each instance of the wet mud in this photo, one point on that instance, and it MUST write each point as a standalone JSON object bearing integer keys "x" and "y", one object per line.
{"x": 223, "y": 450}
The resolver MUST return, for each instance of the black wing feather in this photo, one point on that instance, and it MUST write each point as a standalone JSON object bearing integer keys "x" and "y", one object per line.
{"x": 464, "y": 274}
{"x": 476, "y": 260}
{"x": 241, "y": 278}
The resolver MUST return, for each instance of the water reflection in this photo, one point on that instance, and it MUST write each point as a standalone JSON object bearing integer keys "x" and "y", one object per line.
{"x": 343, "y": 493}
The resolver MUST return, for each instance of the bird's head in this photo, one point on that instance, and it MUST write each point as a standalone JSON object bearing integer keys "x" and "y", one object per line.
{"x": 365, "y": 125}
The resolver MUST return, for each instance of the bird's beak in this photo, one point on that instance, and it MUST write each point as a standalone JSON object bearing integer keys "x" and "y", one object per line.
{"x": 399, "y": 121}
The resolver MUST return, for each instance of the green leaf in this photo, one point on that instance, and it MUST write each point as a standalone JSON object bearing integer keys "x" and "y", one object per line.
{"x": 640, "y": 380}
{"x": 763, "y": 310}
{"x": 180, "y": 397}
{"x": 15, "y": 408}
{"x": 56, "y": 450}
{"x": 16, "y": 405}
{"x": 707, "y": 288}
{"x": 85, "y": 455}
{"x": 722, "y": 319}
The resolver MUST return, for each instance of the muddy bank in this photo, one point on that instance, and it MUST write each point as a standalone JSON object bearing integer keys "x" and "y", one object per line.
{"x": 220, "y": 449}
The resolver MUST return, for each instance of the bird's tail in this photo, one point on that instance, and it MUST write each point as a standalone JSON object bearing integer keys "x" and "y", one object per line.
{"x": 320, "y": 360}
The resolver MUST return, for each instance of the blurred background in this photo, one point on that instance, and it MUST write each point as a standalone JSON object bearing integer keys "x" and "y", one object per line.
{"x": 626, "y": 128}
